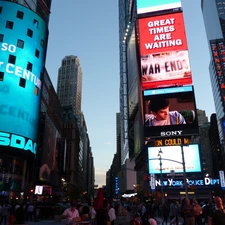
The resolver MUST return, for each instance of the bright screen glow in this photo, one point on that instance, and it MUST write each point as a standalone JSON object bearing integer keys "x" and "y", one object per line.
{"x": 170, "y": 111}
{"x": 38, "y": 190}
{"x": 144, "y": 6}
{"x": 162, "y": 34}
{"x": 165, "y": 69}
{"x": 191, "y": 155}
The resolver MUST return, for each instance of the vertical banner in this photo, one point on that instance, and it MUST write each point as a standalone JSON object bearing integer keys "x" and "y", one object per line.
{"x": 222, "y": 180}
{"x": 152, "y": 182}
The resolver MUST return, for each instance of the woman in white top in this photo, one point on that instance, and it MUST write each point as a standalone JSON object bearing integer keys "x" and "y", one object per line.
{"x": 112, "y": 214}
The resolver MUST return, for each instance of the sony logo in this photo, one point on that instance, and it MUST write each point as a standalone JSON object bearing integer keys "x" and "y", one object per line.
{"x": 171, "y": 133}
{"x": 17, "y": 141}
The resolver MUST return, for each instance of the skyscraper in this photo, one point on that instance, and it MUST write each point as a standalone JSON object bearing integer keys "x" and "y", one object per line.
{"x": 69, "y": 86}
{"x": 214, "y": 19}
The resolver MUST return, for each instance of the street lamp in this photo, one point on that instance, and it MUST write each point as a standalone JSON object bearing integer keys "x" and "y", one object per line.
{"x": 184, "y": 169}
{"x": 160, "y": 164}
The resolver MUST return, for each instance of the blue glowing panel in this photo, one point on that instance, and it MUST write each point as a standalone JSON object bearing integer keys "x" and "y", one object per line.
{"x": 172, "y": 159}
{"x": 23, "y": 41}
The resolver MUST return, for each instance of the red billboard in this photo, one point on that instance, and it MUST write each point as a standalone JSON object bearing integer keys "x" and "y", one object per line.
{"x": 165, "y": 69}
{"x": 162, "y": 34}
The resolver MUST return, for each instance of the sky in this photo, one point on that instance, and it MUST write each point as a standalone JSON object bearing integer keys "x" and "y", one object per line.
{"x": 90, "y": 30}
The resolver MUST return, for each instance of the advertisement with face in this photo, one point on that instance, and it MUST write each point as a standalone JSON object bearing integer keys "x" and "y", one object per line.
{"x": 171, "y": 154}
{"x": 165, "y": 69}
{"x": 23, "y": 42}
{"x": 162, "y": 34}
{"x": 170, "y": 112}
{"x": 144, "y": 6}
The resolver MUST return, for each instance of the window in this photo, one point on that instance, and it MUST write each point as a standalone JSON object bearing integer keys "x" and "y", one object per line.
{"x": 20, "y": 43}
{"x": 1, "y": 37}
{"x": 9, "y": 24}
{"x": 29, "y": 33}
{"x": 36, "y": 90}
{"x": 22, "y": 82}
{"x": 12, "y": 59}
{"x": 37, "y": 53}
{"x": 1, "y": 76}
{"x": 42, "y": 43}
{"x": 20, "y": 15}
{"x": 0, "y": 9}
{"x": 29, "y": 66}
{"x": 35, "y": 23}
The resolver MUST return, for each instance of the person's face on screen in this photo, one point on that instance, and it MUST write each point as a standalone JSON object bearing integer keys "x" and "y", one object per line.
{"x": 162, "y": 114}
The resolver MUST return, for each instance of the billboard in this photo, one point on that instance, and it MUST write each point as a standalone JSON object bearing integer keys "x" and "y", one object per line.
{"x": 172, "y": 159}
{"x": 170, "y": 112}
{"x": 165, "y": 69}
{"x": 23, "y": 42}
{"x": 144, "y": 6}
{"x": 162, "y": 34}
{"x": 49, "y": 164}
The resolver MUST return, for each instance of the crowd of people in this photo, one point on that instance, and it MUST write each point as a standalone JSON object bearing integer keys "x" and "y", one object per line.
{"x": 11, "y": 213}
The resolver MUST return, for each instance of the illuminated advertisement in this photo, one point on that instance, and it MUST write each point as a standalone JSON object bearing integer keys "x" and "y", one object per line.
{"x": 38, "y": 190}
{"x": 49, "y": 168}
{"x": 165, "y": 69}
{"x": 144, "y": 6}
{"x": 170, "y": 112}
{"x": 218, "y": 53}
{"x": 162, "y": 34}
{"x": 197, "y": 182}
{"x": 171, "y": 158}
{"x": 23, "y": 41}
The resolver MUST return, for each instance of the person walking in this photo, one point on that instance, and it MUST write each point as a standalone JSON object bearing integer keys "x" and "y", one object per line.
{"x": 197, "y": 212}
{"x": 188, "y": 213}
{"x": 165, "y": 212}
{"x": 217, "y": 214}
{"x": 112, "y": 214}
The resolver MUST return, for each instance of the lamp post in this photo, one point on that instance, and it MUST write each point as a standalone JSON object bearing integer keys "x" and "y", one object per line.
{"x": 184, "y": 169}
{"x": 161, "y": 179}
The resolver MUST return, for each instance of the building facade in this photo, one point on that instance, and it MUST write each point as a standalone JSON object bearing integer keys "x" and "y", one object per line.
{"x": 69, "y": 86}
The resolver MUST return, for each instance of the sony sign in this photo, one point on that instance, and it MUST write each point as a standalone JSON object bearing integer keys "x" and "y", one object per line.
{"x": 17, "y": 141}
{"x": 171, "y": 133}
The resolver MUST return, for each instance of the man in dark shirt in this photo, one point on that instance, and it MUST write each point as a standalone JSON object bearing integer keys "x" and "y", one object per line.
{"x": 217, "y": 215}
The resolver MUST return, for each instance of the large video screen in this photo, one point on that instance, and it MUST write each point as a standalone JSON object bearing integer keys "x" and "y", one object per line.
{"x": 170, "y": 112}
{"x": 144, "y": 6}
{"x": 23, "y": 42}
{"x": 171, "y": 154}
{"x": 165, "y": 69}
{"x": 162, "y": 34}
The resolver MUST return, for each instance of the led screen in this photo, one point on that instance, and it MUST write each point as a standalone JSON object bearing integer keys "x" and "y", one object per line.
{"x": 171, "y": 154}
{"x": 165, "y": 69}
{"x": 23, "y": 41}
{"x": 170, "y": 112}
{"x": 49, "y": 163}
{"x": 38, "y": 190}
{"x": 144, "y": 6}
{"x": 162, "y": 34}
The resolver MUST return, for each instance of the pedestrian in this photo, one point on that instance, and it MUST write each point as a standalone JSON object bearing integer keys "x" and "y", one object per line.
{"x": 217, "y": 214}
{"x": 71, "y": 214}
{"x": 151, "y": 219}
{"x": 197, "y": 212}
{"x": 188, "y": 213}
{"x": 92, "y": 215}
{"x": 5, "y": 213}
{"x": 30, "y": 212}
{"x": 112, "y": 214}
{"x": 165, "y": 212}
{"x": 136, "y": 220}
{"x": 102, "y": 216}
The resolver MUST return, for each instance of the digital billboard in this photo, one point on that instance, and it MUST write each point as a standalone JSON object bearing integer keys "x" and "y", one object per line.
{"x": 144, "y": 6}
{"x": 23, "y": 42}
{"x": 50, "y": 148}
{"x": 170, "y": 112}
{"x": 162, "y": 34}
{"x": 165, "y": 69}
{"x": 172, "y": 159}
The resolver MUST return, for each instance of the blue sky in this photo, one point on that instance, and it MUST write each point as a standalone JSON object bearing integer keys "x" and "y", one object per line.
{"x": 89, "y": 30}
